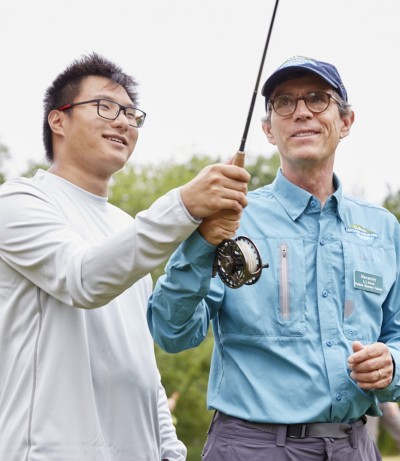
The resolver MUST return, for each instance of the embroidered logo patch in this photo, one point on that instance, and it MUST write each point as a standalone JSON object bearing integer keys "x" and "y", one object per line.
{"x": 361, "y": 232}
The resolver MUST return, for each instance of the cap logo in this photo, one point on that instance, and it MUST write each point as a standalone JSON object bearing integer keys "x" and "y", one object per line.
{"x": 298, "y": 60}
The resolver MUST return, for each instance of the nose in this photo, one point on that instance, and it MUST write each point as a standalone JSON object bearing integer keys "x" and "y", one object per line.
{"x": 302, "y": 111}
{"x": 121, "y": 120}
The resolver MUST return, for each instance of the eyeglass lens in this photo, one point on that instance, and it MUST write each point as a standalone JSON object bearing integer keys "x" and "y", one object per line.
{"x": 316, "y": 101}
{"x": 110, "y": 110}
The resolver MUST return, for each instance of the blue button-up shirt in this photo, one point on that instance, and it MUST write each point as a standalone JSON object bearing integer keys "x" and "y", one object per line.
{"x": 281, "y": 345}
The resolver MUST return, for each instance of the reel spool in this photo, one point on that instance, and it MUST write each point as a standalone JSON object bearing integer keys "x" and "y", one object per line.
{"x": 238, "y": 262}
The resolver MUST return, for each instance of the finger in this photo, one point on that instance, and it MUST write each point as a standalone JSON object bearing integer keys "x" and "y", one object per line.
{"x": 215, "y": 235}
{"x": 357, "y": 346}
{"x": 373, "y": 357}
{"x": 367, "y": 377}
{"x": 230, "y": 215}
{"x": 227, "y": 189}
{"x": 235, "y": 172}
{"x": 364, "y": 353}
{"x": 235, "y": 184}
{"x": 233, "y": 201}
{"x": 218, "y": 171}
{"x": 226, "y": 226}
{"x": 215, "y": 228}
{"x": 353, "y": 358}
{"x": 369, "y": 385}
{"x": 215, "y": 192}
{"x": 379, "y": 378}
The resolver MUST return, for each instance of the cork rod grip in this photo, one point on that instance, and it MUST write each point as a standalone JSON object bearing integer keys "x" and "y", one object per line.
{"x": 238, "y": 159}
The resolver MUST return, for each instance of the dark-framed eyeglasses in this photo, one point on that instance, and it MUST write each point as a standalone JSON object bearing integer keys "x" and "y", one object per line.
{"x": 110, "y": 110}
{"x": 316, "y": 102}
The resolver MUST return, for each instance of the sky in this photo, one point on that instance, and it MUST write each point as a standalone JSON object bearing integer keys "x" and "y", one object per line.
{"x": 196, "y": 62}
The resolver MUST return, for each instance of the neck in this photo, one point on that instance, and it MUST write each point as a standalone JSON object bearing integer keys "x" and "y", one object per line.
{"x": 317, "y": 182}
{"x": 94, "y": 185}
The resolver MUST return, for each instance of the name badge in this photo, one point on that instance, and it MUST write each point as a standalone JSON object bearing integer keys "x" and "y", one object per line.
{"x": 368, "y": 282}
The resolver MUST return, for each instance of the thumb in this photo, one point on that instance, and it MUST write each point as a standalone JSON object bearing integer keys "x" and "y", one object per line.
{"x": 357, "y": 346}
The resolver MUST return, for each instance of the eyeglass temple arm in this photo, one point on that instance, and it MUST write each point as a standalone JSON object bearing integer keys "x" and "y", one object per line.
{"x": 65, "y": 107}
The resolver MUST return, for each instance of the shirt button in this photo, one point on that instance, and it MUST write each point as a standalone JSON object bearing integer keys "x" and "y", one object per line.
{"x": 338, "y": 397}
{"x": 325, "y": 293}
{"x": 329, "y": 343}
{"x": 313, "y": 203}
{"x": 322, "y": 242}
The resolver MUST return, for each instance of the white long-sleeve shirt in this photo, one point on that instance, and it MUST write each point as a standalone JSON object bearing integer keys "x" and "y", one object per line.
{"x": 78, "y": 377}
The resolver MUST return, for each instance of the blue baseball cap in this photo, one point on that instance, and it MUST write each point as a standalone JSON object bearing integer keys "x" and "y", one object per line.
{"x": 326, "y": 71}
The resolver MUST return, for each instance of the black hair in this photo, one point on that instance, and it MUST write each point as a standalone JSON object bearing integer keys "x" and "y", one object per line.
{"x": 66, "y": 86}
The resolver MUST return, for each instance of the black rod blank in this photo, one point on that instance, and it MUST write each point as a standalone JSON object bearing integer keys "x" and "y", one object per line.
{"x": 253, "y": 99}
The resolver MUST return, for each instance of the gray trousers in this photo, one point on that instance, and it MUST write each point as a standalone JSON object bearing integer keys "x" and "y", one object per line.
{"x": 231, "y": 439}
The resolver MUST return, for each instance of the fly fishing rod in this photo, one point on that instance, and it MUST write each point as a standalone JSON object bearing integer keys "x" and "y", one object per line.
{"x": 237, "y": 261}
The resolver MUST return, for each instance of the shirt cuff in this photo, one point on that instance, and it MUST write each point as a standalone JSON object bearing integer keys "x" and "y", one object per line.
{"x": 198, "y": 251}
{"x": 192, "y": 218}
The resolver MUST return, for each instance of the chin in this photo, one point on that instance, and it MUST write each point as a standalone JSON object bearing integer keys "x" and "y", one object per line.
{"x": 119, "y": 159}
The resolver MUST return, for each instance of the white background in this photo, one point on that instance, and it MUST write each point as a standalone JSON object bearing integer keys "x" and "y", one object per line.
{"x": 197, "y": 61}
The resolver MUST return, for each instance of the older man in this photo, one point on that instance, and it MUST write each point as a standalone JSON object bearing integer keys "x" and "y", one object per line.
{"x": 303, "y": 354}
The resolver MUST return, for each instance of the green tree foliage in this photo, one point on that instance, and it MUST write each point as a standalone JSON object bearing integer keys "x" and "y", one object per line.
{"x": 136, "y": 187}
{"x": 386, "y": 443}
{"x": 187, "y": 374}
{"x": 4, "y": 155}
{"x": 392, "y": 203}
{"x": 262, "y": 170}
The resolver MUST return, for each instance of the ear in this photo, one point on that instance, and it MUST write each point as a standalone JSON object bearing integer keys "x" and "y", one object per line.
{"x": 347, "y": 122}
{"x": 266, "y": 126}
{"x": 56, "y": 119}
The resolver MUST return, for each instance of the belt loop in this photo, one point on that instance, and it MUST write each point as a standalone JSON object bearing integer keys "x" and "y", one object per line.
{"x": 354, "y": 436}
{"x": 281, "y": 435}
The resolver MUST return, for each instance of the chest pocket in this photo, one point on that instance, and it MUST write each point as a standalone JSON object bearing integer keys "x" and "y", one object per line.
{"x": 275, "y": 305}
{"x": 370, "y": 272}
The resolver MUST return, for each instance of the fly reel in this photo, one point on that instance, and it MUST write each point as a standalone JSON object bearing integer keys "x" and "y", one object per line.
{"x": 238, "y": 262}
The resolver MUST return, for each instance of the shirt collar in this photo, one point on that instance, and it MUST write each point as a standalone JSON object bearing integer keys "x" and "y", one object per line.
{"x": 295, "y": 200}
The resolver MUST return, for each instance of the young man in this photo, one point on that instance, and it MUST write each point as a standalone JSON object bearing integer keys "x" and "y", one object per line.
{"x": 78, "y": 377}
{"x": 303, "y": 354}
